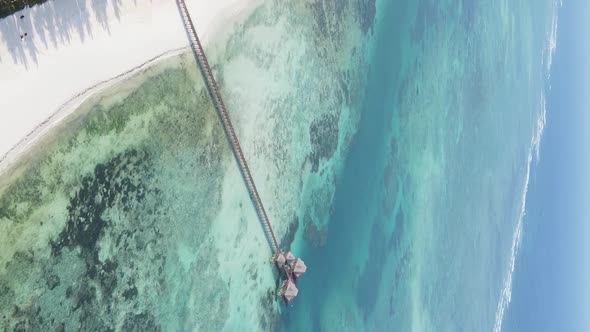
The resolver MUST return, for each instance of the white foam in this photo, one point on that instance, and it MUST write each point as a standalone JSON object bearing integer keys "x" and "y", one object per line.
{"x": 536, "y": 141}
{"x": 552, "y": 38}
{"x": 506, "y": 295}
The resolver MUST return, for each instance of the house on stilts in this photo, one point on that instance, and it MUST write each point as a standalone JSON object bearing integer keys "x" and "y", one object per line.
{"x": 293, "y": 269}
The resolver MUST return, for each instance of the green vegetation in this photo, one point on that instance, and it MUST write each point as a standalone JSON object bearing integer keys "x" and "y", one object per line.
{"x": 8, "y": 7}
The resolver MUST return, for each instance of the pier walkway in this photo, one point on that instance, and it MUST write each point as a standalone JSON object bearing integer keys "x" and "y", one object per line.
{"x": 213, "y": 90}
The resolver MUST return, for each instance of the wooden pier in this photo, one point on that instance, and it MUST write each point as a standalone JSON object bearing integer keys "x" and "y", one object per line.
{"x": 292, "y": 267}
{"x": 213, "y": 89}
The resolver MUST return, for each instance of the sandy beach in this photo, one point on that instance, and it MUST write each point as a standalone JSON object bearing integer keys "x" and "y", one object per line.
{"x": 74, "y": 48}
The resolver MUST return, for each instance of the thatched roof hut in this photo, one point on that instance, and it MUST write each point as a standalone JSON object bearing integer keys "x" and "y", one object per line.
{"x": 279, "y": 259}
{"x": 299, "y": 267}
{"x": 288, "y": 291}
{"x": 289, "y": 257}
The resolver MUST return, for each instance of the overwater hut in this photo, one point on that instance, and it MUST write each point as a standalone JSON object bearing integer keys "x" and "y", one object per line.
{"x": 298, "y": 267}
{"x": 288, "y": 291}
{"x": 279, "y": 259}
{"x": 289, "y": 257}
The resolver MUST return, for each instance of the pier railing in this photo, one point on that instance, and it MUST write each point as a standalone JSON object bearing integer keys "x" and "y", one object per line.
{"x": 213, "y": 90}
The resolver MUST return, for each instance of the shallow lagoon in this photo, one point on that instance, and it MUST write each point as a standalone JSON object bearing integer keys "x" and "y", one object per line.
{"x": 133, "y": 213}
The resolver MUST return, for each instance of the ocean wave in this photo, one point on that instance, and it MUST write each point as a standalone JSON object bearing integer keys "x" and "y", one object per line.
{"x": 540, "y": 128}
{"x": 552, "y": 38}
{"x": 506, "y": 295}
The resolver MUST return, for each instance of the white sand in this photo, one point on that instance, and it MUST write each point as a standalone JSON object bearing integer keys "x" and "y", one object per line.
{"x": 74, "y": 47}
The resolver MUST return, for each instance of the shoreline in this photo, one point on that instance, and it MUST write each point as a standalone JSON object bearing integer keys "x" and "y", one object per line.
{"x": 71, "y": 106}
{"x": 33, "y": 123}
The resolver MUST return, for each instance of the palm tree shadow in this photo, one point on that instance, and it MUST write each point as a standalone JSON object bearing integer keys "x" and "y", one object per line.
{"x": 53, "y": 24}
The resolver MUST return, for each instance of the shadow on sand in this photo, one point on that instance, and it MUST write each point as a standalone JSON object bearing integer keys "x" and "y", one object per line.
{"x": 51, "y": 24}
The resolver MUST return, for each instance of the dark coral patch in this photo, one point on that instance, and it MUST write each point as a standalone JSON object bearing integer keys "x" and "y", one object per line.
{"x": 111, "y": 181}
{"x": 143, "y": 322}
{"x": 107, "y": 277}
{"x": 320, "y": 17}
{"x": 82, "y": 295}
{"x": 367, "y": 11}
{"x": 316, "y": 236}
{"x": 268, "y": 320}
{"x": 120, "y": 183}
{"x": 323, "y": 136}
{"x": 52, "y": 281}
{"x": 130, "y": 293}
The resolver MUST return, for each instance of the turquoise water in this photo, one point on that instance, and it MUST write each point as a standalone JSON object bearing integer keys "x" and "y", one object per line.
{"x": 390, "y": 143}
{"x": 430, "y": 197}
